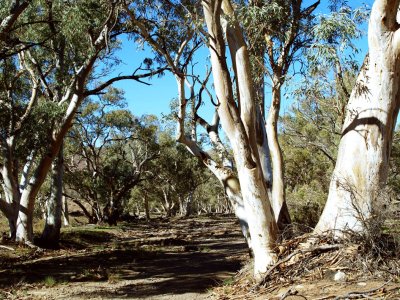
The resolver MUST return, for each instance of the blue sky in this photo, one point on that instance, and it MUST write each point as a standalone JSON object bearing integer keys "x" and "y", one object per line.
{"x": 155, "y": 98}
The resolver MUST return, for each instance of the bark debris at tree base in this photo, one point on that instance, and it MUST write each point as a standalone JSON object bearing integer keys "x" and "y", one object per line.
{"x": 310, "y": 273}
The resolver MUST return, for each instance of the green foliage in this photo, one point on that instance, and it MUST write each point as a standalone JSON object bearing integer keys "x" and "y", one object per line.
{"x": 334, "y": 38}
{"x": 278, "y": 30}
{"x": 168, "y": 24}
{"x": 268, "y": 17}
{"x": 306, "y": 202}
{"x": 109, "y": 150}
{"x": 180, "y": 183}
{"x": 49, "y": 281}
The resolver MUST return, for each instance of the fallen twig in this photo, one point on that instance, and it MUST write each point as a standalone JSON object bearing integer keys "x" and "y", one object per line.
{"x": 33, "y": 246}
{"x": 6, "y": 247}
{"x": 291, "y": 292}
{"x": 364, "y": 294}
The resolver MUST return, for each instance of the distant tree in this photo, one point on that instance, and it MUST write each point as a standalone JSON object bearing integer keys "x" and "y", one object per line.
{"x": 394, "y": 173}
{"x": 176, "y": 176}
{"x": 107, "y": 156}
{"x": 175, "y": 44}
{"x": 309, "y": 138}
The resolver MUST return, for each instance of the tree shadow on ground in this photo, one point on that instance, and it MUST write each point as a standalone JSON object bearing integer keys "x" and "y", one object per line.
{"x": 149, "y": 268}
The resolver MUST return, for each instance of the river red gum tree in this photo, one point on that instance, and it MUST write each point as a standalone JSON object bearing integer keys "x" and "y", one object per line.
{"x": 363, "y": 157}
{"x": 238, "y": 119}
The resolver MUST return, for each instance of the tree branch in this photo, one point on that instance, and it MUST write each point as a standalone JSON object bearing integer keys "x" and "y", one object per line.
{"x": 126, "y": 77}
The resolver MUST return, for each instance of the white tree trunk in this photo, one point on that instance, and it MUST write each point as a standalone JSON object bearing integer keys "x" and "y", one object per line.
{"x": 364, "y": 150}
{"x": 10, "y": 185}
{"x": 25, "y": 217}
{"x": 51, "y": 232}
{"x": 278, "y": 200}
{"x": 239, "y": 125}
{"x": 264, "y": 153}
{"x": 30, "y": 189}
{"x": 65, "y": 211}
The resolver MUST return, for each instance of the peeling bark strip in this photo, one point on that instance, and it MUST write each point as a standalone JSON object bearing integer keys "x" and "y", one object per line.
{"x": 239, "y": 123}
{"x": 364, "y": 150}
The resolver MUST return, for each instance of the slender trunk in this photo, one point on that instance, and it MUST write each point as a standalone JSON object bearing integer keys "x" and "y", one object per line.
{"x": 146, "y": 206}
{"x": 25, "y": 214}
{"x": 168, "y": 204}
{"x": 90, "y": 216}
{"x": 31, "y": 188}
{"x": 258, "y": 52}
{"x": 363, "y": 157}
{"x": 25, "y": 217}
{"x": 264, "y": 152}
{"x": 51, "y": 233}
{"x": 238, "y": 121}
{"x": 10, "y": 186}
{"x": 181, "y": 202}
{"x": 189, "y": 204}
{"x": 65, "y": 212}
{"x": 278, "y": 185}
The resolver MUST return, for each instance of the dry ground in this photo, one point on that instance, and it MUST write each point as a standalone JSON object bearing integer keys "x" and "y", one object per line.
{"x": 195, "y": 258}
{"x": 176, "y": 259}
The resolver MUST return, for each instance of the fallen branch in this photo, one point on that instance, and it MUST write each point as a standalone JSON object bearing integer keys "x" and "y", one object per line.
{"x": 6, "y": 247}
{"x": 33, "y": 246}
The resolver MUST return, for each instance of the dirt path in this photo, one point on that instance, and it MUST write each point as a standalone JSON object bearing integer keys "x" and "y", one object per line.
{"x": 181, "y": 259}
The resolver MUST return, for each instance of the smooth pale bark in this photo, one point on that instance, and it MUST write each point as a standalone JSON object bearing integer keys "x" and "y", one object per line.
{"x": 28, "y": 195}
{"x": 31, "y": 189}
{"x": 240, "y": 127}
{"x": 264, "y": 153}
{"x": 278, "y": 200}
{"x": 364, "y": 150}
{"x": 280, "y": 54}
{"x": 10, "y": 168}
{"x": 168, "y": 204}
{"x": 10, "y": 204}
{"x": 257, "y": 52}
{"x": 65, "y": 211}
{"x": 51, "y": 232}
{"x": 222, "y": 172}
